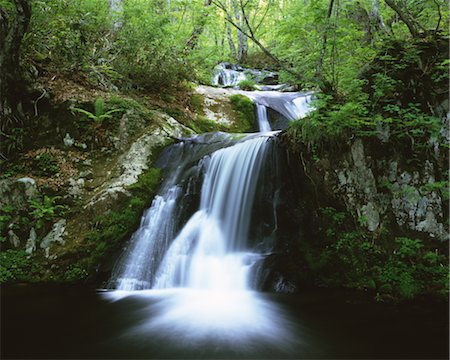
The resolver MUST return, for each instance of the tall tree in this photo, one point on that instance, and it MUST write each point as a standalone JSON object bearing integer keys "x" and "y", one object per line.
{"x": 192, "y": 42}
{"x": 13, "y": 26}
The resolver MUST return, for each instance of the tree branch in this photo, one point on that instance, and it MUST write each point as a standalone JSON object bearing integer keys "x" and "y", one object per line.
{"x": 406, "y": 17}
{"x": 253, "y": 38}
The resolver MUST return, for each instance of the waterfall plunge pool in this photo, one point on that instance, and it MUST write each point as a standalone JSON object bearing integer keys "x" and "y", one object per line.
{"x": 51, "y": 321}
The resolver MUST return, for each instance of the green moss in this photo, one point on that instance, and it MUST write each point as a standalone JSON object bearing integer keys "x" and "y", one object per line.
{"x": 247, "y": 84}
{"x": 245, "y": 111}
{"x": 202, "y": 125}
{"x": 196, "y": 103}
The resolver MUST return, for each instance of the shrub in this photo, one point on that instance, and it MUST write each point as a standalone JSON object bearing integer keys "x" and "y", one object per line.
{"x": 45, "y": 210}
{"x": 75, "y": 272}
{"x": 247, "y": 84}
{"x": 15, "y": 265}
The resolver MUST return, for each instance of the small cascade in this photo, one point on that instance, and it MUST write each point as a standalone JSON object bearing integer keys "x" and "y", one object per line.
{"x": 147, "y": 246}
{"x": 228, "y": 75}
{"x": 263, "y": 118}
{"x": 211, "y": 251}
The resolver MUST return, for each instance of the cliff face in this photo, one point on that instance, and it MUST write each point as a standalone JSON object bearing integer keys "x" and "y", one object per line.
{"x": 371, "y": 185}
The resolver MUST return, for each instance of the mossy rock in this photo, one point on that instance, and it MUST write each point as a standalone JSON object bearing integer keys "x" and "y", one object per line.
{"x": 245, "y": 113}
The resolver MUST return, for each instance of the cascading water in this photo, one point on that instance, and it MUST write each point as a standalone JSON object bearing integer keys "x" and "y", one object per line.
{"x": 211, "y": 252}
{"x": 139, "y": 262}
{"x": 213, "y": 243}
{"x": 291, "y": 105}
{"x": 263, "y": 118}
{"x": 205, "y": 267}
{"x": 228, "y": 75}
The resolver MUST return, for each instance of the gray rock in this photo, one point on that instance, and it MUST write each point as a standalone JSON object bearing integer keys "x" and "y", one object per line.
{"x": 17, "y": 193}
{"x": 30, "y": 246}
{"x": 431, "y": 226}
{"x": 76, "y": 187}
{"x": 68, "y": 141}
{"x": 372, "y": 216}
{"x": 13, "y": 239}
{"x": 56, "y": 235}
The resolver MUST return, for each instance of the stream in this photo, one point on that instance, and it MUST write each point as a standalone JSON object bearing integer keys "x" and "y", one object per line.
{"x": 187, "y": 284}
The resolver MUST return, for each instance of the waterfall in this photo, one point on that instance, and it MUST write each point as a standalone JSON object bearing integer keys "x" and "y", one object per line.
{"x": 211, "y": 252}
{"x": 228, "y": 75}
{"x": 139, "y": 262}
{"x": 211, "y": 249}
{"x": 263, "y": 119}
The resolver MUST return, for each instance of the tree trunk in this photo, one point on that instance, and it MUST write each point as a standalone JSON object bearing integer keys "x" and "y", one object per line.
{"x": 116, "y": 12}
{"x": 192, "y": 42}
{"x": 242, "y": 38}
{"x": 319, "y": 66}
{"x": 12, "y": 86}
{"x": 231, "y": 42}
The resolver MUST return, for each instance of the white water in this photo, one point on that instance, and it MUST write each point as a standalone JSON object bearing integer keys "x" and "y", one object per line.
{"x": 202, "y": 287}
{"x": 211, "y": 251}
{"x": 263, "y": 118}
{"x": 227, "y": 77}
{"x": 292, "y": 105}
{"x": 200, "y": 280}
{"x": 148, "y": 243}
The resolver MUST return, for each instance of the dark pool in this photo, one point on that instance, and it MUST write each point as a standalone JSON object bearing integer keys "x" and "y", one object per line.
{"x": 78, "y": 322}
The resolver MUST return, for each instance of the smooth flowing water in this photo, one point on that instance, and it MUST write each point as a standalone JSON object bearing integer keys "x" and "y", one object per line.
{"x": 200, "y": 274}
{"x": 263, "y": 118}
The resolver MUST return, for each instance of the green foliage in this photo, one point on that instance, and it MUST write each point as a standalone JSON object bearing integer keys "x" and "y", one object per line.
{"x": 7, "y": 214}
{"x": 100, "y": 114}
{"x": 45, "y": 210}
{"x": 245, "y": 110}
{"x": 403, "y": 269}
{"x": 75, "y": 273}
{"x": 439, "y": 186}
{"x": 46, "y": 164}
{"x": 393, "y": 95}
{"x": 247, "y": 84}
{"x": 150, "y": 56}
{"x": 15, "y": 265}
{"x": 70, "y": 36}
{"x": 10, "y": 169}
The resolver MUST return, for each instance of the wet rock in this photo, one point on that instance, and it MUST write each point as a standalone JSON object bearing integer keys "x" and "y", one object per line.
{"x": 284, "y": 286}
